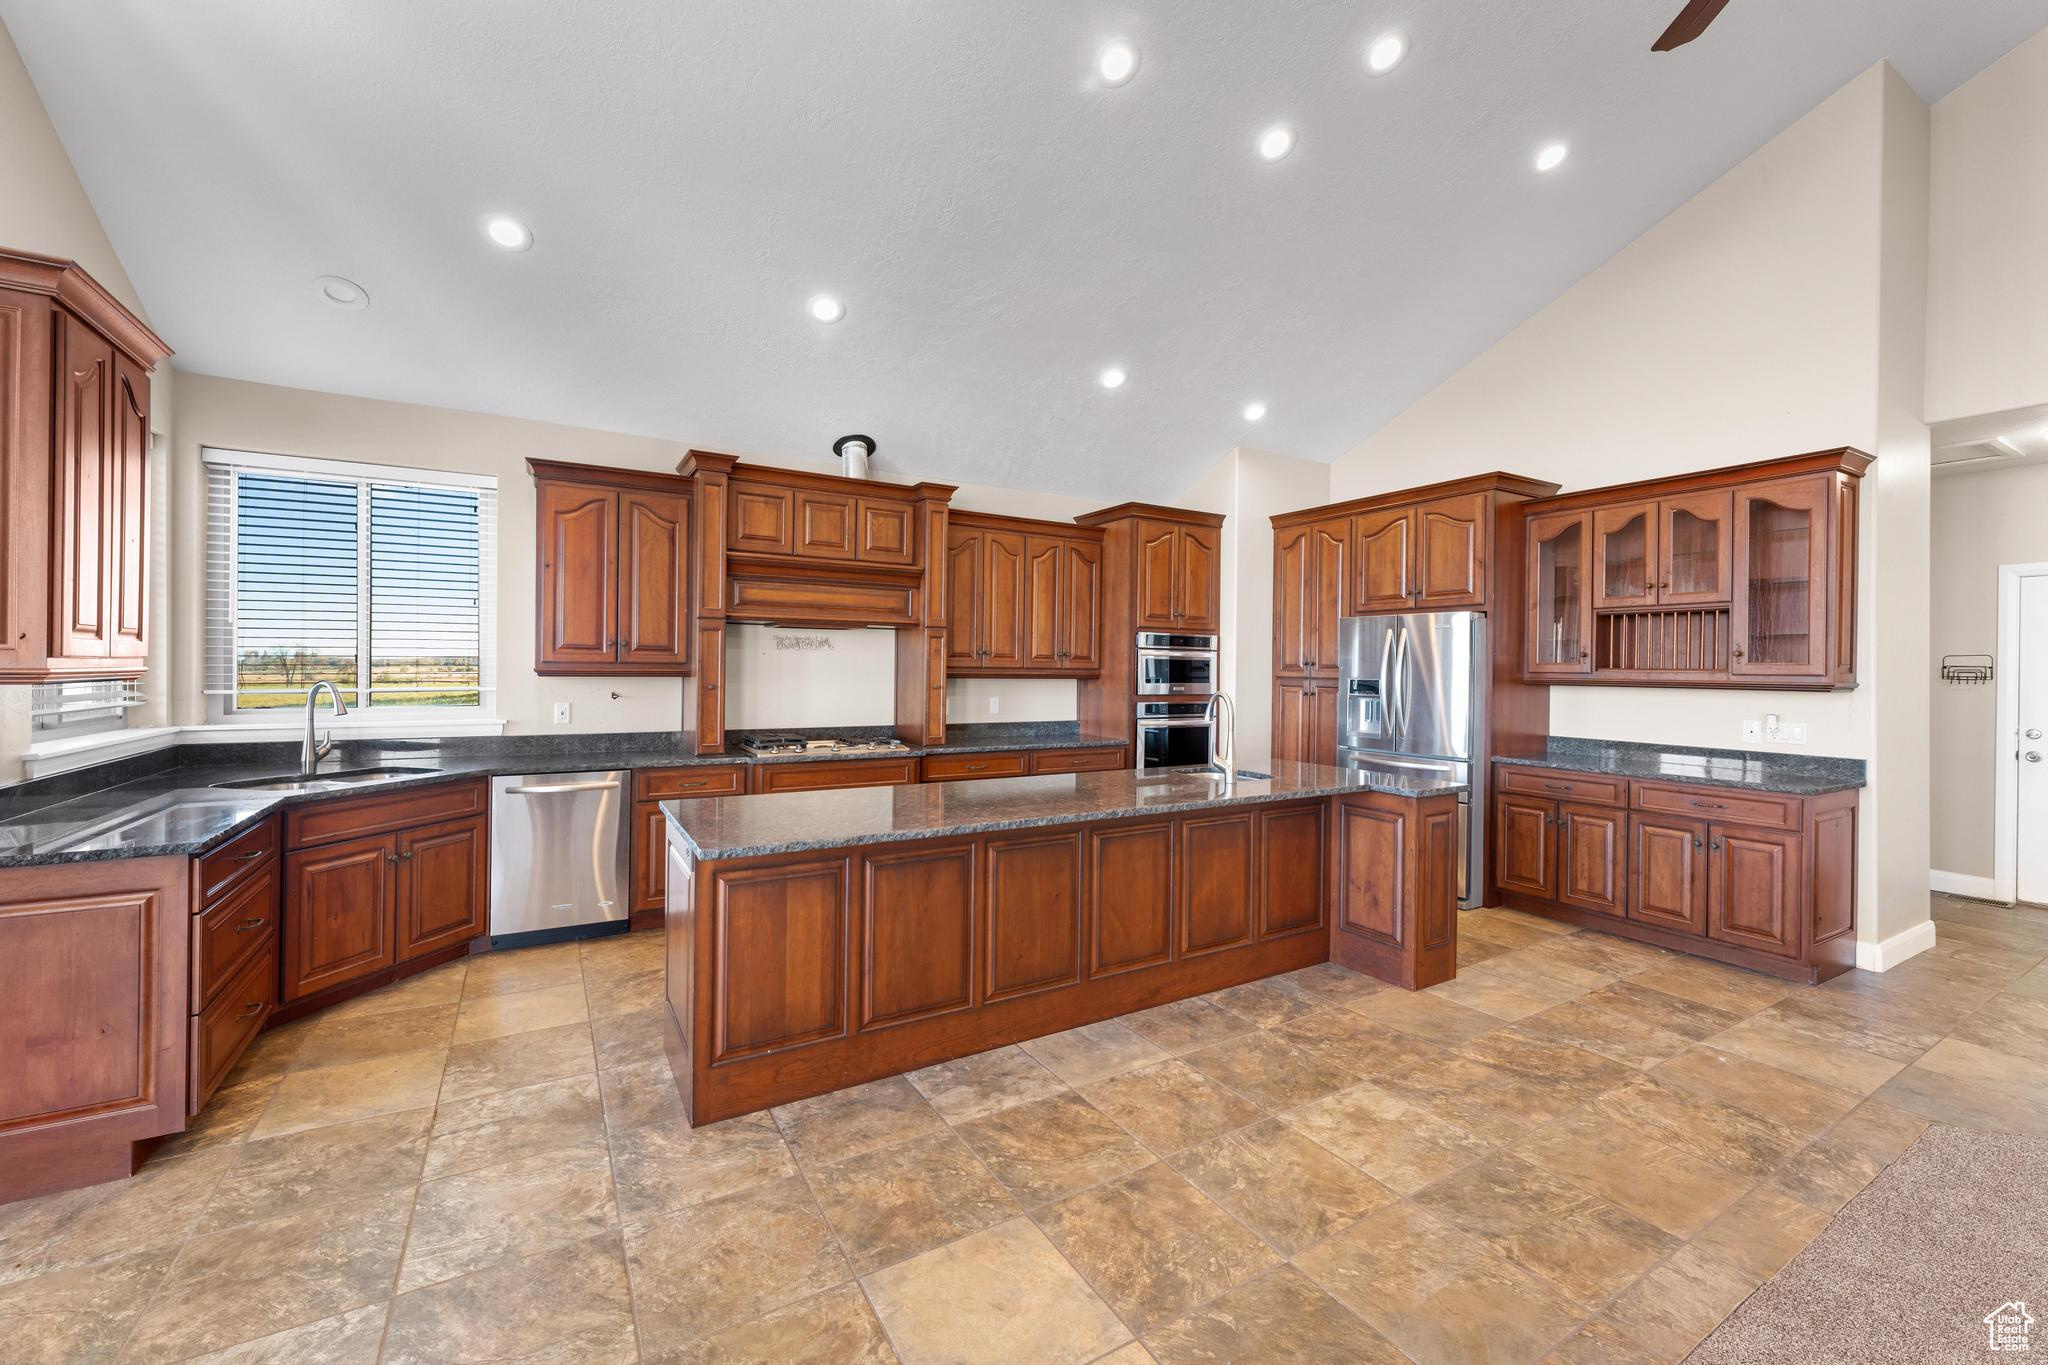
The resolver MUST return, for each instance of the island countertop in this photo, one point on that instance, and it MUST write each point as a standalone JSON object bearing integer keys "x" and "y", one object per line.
{"x": 802, "y": 822}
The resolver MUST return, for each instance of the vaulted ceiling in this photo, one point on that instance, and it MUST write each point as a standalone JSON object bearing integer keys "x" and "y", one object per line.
{"x": 1000, "y": 224}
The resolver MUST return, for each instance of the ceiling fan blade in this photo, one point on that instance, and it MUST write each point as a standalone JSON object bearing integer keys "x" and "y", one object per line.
{"x": 1691, "y": 22}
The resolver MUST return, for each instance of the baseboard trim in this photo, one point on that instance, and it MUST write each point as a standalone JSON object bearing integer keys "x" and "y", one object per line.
{"x": 1886, "y": 954}
{"x": 1962, "y": 884}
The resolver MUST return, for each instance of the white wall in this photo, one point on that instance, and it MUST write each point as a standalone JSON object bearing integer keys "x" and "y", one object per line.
{"x": 1987, "y": 322}
{"x": 1765, "y": 317}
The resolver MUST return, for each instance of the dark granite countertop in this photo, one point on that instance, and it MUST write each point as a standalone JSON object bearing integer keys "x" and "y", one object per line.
{"x": 797, "y": 822}
{"x": 1781, "y": 773}
{"x": 170, "y": 803}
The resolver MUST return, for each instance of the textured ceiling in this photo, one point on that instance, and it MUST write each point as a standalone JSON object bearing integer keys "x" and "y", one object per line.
{"x": 1000, "y": 228}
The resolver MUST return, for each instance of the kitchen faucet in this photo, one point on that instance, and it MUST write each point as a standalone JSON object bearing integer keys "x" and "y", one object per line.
{"x": 313, "y": 750}
{"x": 1221, "y": 713}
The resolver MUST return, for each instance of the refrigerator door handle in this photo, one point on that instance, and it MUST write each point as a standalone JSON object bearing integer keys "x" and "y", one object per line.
{"x": 1401, "y": 672}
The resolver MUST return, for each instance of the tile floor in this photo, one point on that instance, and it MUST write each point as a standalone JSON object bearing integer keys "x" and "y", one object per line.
{"x": 1580, "y": 1150}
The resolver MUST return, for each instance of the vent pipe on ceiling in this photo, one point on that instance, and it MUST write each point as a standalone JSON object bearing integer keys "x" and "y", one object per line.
{"x": 855, "y": 452}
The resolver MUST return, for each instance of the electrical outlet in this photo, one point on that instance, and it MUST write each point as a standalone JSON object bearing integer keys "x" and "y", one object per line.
{"x": 561, "y": 713}
{"x": 995, "y": 705}
{"x": 1753, "y": 731}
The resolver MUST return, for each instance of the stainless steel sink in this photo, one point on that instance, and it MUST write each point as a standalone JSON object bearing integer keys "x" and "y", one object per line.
{"x": 351, "y": 777}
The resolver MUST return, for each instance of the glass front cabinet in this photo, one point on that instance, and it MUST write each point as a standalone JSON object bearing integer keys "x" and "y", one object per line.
{"x": 1560, "y": 603}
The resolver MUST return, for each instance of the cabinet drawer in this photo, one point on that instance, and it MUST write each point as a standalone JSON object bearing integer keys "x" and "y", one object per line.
{"x": 1080, "y": 760}
{"x": 224, "y": 1030}
{"x": 327, "y": 821}
{"x": 822, "y": 776}
{"x": 232, "y": 863}
{"x": 660, "y": 784}
{"x": 233, "y": 931}
{"x": 1719, "y": 805}
{"x": 1562, "y": 786}
{"x": 956, "y": 767}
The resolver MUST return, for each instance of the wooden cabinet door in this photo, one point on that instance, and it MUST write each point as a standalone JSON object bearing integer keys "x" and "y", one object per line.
{"x": 650, "y": 856}
{"x": 1781, "y": 579}
{"x": 1668, "y": 873}
{"x": 1043, "y": 647}
{"x": 128, "y": 512}
{"x": 1132, "y": 889}
{"x": 1081, "y": 605}
{"x": 887, "y": 532}
{"x": 1523, "y": 849}
{"x": 338, "y": 919}
{"x": 1450, "y": 552}
{"x": 1695, "y": 549}
{"x": 1321, "y": 720}
{"x": 1753, "y": 888}
{"x": 84, "y": 477}
{"x": 1294, "y": 634}
{"x": 1329, "y": 581}
{"x": 578, "y": 567}
{"x": 1002, "y": 603}
{"x": 1198, "y": 570}
{"x": 1560, "y": 622}
{"x": 1032, "y": 904}
{"x": 1384, "y": 554}
{"x": 444, "y": 879}
{"x": 1592, "y": 858}
{"x": 1626, "y": 563}
{"x": 1291, "y": 706}
{"x": 964, "y": 602}
{"x": 1218, "y": 882}
{"x": 1157, "y": 604}
{"x": 654, "y": 568}
{"x": 759, "y": 518}
{"x": 1291, "y": 844}
{"x": 824, "y": 524}
{"x": 915, "y": 938}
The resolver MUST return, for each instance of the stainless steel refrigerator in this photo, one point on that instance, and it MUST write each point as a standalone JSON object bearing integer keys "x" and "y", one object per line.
{"x": 1412, "y": 699}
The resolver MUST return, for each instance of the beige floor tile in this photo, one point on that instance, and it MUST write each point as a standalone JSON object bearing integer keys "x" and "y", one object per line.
{"x": 1836, "y": 1167}
{"x": 1093, "y": 1051}
{"x": 2032, "y": 986}
{"x": 272, "y": 1177}
{"x": 1671, "y": 1309}
{"x": 1571, "y": 1074}
{"x": 1896, "y": 1028}
{"x": 1331, "y": 984}
{"x": 1281, "y": 1316}
{"x": 359, "y": 1038}
{"x": 1287, "y": 1189}
{"x": 1772, "y": 1039}
{"x": 1714, "y": 983}
{"x": 1171, "y": 1105}
{"x": 1697, "y": 1124}
{"x": 2009, "y": 1024}
{"x": 517, "y": 1060}
{"x": 1519, "y": 980}
{"x": 836, "y": 1327}
{"x": 845, "y": 1123}
{"x": 1487, "y": 1101}
{"x": 1186, "y": 1025}
{"x": 1510, "y": 929}
{"x": 1629, "y": 1023}
{"x": 1801, "y": 1105}
{"x": 982, "y": 1084}
{"x": 440, "y": 986}
{"x": 622, "y": 1039}
{"x": 1398, "y": 1144}
{"x": 1000, "y": 1296}
{"x": 1427, "y": 1016}
{"x": 665, "y": 1168}
{"x": 1677, "y": 1192}
{"x": 1388, "y": 1264}
{"x": 1153, "y": 1245}
{"x": 157, "y": 1207}
{"x": 567, "y": 1303}
{"x": 1348, "y": 1042}
{"x": 641, "y": 1093}
{"x": 1271, "y": 1071}
{"x": 1265, "y": 1003}
{"x": 899, "y": 1201}
{"x": 497, "y": 1016}
{"x": 626, "y": 993}
{"x": 252, "y": 1281}
{"x": 718, "y": 1264}
{"x": 351, "y": 1338}
{"x": 523, "y": 969}
{"x": 79, "y": 1313}
{"x": 465, "y": 1223}
{"x": 1601, "y": 1343}
{"x": 1600, "y": 954}
{"x": 228, "y": 1118}
{"x": 509, "y": 1124}
{"x": 1763, "y": 1231}
{"x": 1489, "y": 990}
{"x": 360, "y": 1090}
{"x": 1959, "y": 1082}
{"x": 1048, "y": 1149}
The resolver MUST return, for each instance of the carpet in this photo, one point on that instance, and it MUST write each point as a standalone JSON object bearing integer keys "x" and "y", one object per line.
{"x": 1954, "y": 1230}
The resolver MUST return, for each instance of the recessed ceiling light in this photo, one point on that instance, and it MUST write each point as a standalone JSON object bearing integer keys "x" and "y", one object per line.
{"x": 1276, "y": 142}
{"x": 509, "y": 233}
{"x": 1113, "y": 377}
{"x": 1254, "y": 412}
{"x": 1551, "y": 156}
{"x": 343, "y": 294}
{"x": 826, "y": 308}
{"x": 1385, "y": 52}
{"x": 1116, "y": 63}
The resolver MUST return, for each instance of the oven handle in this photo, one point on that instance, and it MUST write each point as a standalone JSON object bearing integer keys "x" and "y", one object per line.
{"x": 1173, "y": 725}
{"x": 1176, "y": 653}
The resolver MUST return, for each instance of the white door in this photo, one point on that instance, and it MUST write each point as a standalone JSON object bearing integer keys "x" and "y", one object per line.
{"x": 2032, "y": 681}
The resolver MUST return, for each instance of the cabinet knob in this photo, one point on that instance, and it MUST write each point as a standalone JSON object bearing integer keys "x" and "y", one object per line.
{"x": 391, "y": 858}
{"x": 1737, "y": 651}
{"x": 1696, "y": 843}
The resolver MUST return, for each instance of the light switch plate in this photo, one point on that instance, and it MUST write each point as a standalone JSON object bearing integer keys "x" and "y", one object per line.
{"x": 995, "y": 705}
{"x": 561, "y": 713}
{"x": 1792, "y": 732}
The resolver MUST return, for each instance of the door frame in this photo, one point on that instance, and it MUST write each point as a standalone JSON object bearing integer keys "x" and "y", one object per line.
{"x": 2005, "y": 817}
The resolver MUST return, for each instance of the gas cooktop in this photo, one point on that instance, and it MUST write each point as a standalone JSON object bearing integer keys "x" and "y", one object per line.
{"x": 779, "y": 746}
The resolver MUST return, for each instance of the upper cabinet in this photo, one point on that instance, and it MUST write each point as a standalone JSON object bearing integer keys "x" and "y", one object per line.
{"x": 1311, "y": 569}
{"x": 1743, "y": 576}
{"x": 613, "y": 553}
{"x": 1424, "y": 556}
{"x": 1179, "y": 580}
{"x": 1023, "y": 597}
{"x": 74, "y": 475}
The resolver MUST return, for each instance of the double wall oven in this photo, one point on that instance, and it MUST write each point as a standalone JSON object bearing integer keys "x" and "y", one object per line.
{"x": 1177, "y": 675}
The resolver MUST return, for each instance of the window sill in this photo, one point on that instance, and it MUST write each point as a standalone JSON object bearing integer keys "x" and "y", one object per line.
{"x": 55, "y": 756}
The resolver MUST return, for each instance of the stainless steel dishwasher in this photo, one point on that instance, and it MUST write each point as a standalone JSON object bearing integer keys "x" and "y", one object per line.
{"x": 558, "y": 856}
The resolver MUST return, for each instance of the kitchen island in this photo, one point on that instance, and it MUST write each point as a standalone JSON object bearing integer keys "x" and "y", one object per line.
{"x": 819, "y": 940}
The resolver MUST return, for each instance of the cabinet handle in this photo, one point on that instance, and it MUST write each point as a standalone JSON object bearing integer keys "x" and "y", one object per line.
{"x": 254, "y": 922}
{"x": 1709, "y": 805}
{"x": 252, "y": 853}
{"x": 251, "y": 1010}
{"x": 1557, "y": 786}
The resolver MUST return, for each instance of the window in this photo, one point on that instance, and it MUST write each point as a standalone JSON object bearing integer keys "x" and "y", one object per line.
{"x": 378, "y": 579}
{"x": 65, "y": 710}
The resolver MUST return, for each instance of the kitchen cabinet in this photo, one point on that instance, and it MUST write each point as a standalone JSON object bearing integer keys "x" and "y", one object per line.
{"x": 1760, "y": 879}
{"x": 1024, "y": 598}
{"x": 1179, "y": 572}
{"x": 613, "y": 555}
{"x": 831, "y": 774}
{"x": 74, "y": 475}
{"x": 444, "y": 878}
{"x": 1305, "y": 720}
{"x": 971, "y": 767}
{"x": 1310, "y": 582}
{"x": 648, "y": 836}
{"x": 1743, "y": 577}
{"x": 237, "y": 913}
{"x": 1429, "y": 556}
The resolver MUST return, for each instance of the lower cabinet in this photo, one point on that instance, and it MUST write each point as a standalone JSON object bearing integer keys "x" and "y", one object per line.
{"x": 238, "y": 904}
{"x": 1305, "y": 720}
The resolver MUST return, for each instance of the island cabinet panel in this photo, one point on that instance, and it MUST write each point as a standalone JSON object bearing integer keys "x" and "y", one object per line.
{"x": 917, "y": 934}
{"x": 781, "y": 957}
{"x": 1290, "y": 858}
{"x": 1393, "y": 866}
{"x": 1370, "y": 846}
{"x": 1131, "y": 884}
{"x": 1033, "y": 900}
{"x": 1219, "y": 873}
